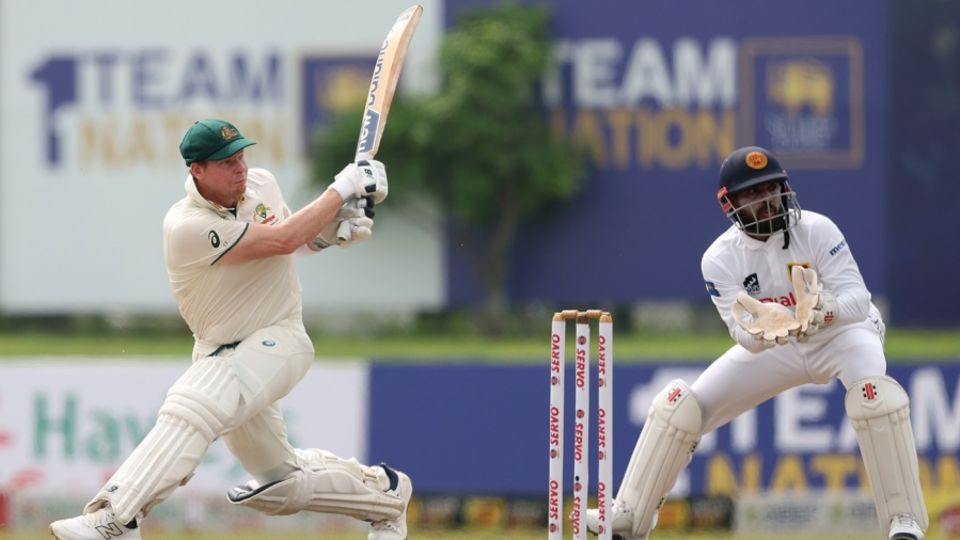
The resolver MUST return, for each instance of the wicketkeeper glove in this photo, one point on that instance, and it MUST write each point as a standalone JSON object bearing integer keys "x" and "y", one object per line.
{"x": 769, "y": 322}
{"x": 816, "y": 307}
{"x": 365, "y": 178}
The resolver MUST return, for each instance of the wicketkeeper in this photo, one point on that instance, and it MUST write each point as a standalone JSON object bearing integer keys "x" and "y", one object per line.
{"x": 794, "y": 301}
{"x": 228, "y": 247}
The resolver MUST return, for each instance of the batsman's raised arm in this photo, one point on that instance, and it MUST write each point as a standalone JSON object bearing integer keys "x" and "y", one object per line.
{"x": 355, "y": 184}
{"x": 262, "y": 241}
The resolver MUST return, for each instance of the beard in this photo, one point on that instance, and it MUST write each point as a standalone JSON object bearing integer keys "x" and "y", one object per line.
{"x": 775, "y": 218}
{"x": 765, "y": 227}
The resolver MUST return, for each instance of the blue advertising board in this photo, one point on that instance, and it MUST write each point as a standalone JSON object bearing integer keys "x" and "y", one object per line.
{"x": 659, "y": 97}
{"x": 482, "y": 429}
{"x": 924, "y": 192}
{"x": 326, "y": 78}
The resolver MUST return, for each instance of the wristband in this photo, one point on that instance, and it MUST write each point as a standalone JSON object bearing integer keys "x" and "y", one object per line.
{"x": 344, "y": 186}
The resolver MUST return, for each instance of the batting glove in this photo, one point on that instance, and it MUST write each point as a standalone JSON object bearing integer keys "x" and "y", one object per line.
{"x": 352, "y": 225}
{"x": 365, "y": 178}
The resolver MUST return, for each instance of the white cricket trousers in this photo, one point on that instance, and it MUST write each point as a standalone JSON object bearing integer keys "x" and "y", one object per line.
{"x": 740, "y": 380}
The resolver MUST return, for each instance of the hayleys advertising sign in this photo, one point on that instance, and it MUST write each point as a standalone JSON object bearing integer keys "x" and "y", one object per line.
{"x": 65, "y": 427}
{"x": 658, "y": 98}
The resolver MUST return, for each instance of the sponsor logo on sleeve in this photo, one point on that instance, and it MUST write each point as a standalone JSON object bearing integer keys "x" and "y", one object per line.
{"x": 214, "y": 239}
{"x": 711, "y": 288}
{"x": 837, "y": 248}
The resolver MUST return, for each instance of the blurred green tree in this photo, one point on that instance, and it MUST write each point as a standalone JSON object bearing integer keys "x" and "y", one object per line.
{"x": 482, "y": 144}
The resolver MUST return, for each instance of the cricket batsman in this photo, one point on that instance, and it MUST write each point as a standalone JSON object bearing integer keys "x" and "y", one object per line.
{"x": 793, "y": 299}
{"x": 228, "y": 246}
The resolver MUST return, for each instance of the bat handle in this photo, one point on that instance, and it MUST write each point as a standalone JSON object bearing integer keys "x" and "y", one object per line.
{"x": 343, "y": 231}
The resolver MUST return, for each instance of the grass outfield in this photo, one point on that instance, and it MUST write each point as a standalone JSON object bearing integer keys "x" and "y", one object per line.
{"x": 900, "y": 345}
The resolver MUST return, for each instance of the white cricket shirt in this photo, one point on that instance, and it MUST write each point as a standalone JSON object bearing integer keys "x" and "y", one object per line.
{"x": 735, "y": 262}
{"x": 224, "y": 303}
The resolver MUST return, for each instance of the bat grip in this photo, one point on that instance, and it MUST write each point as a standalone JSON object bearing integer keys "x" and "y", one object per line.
{"x": 343, "y": 231}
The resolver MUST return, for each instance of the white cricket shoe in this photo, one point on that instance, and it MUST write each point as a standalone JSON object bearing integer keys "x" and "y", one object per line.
{"x": 904, "y": 527}
{"x": 394, "y": 529}
{"x": 621, "y": 522}
{"x": 94, "y": 526}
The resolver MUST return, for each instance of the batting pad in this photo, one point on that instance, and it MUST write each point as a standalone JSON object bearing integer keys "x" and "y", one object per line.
{"x": 327, "y": 484}
{"x": 664, "y": 448}
{"x": 197, "y": 409}
{"x": 879, "y": 410}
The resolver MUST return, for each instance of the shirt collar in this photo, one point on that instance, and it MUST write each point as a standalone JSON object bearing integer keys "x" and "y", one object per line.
{"x": 754, "y": 245}
{"x": 194, "y": 195}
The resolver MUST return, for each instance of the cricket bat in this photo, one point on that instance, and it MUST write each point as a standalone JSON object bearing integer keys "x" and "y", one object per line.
{"x": 383, "y": 84}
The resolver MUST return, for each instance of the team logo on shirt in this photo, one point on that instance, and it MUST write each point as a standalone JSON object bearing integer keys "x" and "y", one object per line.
{"x": 752, "y": 284}
{"x": 261, "y": 214}
{"x": 214, "y": 238}
{"x": 790, "y": 266}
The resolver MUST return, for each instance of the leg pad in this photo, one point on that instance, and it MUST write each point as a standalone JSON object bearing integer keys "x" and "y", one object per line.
{"x": 336, "y": 486}
{"x": 879, "y": 410}
{"x": 663, "y": 450}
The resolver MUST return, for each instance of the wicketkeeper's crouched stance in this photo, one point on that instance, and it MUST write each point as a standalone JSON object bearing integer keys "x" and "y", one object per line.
{"x": 833, "y": 331}
{"x": 227, "y": 245}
